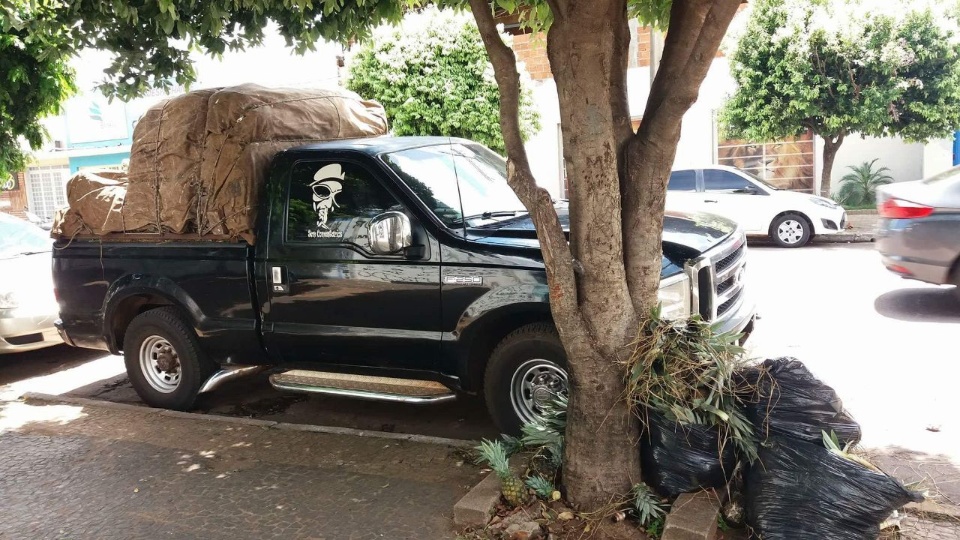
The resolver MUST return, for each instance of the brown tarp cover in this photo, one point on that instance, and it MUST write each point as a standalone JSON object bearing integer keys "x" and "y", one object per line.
{"x": 199, "y": 160}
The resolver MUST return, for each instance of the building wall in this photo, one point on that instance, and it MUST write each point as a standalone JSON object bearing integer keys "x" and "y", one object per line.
{"x": 14, "y": 201}
{"x": 104, "y": 160}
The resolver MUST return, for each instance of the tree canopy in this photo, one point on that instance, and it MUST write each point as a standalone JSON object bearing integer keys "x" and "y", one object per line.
{"x": 34, "y": 81}
{"x": 843, "y": 67}
{"x": 433, "y": 77}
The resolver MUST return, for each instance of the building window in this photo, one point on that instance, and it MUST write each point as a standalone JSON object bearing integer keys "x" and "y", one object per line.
{"x": 46, "y": 190}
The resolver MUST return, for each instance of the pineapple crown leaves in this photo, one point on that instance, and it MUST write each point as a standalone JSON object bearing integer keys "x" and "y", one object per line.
{"x": 541, "y": 486}
{"x": 495, "y": 455}
{"x": 645, "y": 505}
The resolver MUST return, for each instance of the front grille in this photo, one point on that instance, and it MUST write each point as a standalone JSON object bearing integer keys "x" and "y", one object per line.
{"x": 725, "y": 262}
{"x": 28, "y": 339}
{"x": 729, "y": 262}
{"x": 725, "y": 307}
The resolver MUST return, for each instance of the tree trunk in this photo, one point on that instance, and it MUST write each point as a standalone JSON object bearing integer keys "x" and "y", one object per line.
{"x": 830, "y": 147}
{"x": 599, "y": 290}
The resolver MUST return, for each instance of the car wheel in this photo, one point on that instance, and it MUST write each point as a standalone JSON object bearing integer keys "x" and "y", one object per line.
{"x": 790, "y": 230}
{"x": 163, "y": 359}
{"x": 526, "y": 370}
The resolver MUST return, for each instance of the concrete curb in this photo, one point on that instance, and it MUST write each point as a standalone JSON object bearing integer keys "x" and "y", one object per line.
{"x": 844, "y": 238}
{"x": 863, "y": 212}
{"x": 693, "y": 516}
{"x": 476, "y": 507}
{"x": 251, "y": 422}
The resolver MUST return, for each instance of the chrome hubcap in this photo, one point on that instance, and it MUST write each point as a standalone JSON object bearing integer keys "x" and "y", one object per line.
{"x": 533, "y": 387}
{"x": 790, "y": 231}
{"x": 160, "y": 364}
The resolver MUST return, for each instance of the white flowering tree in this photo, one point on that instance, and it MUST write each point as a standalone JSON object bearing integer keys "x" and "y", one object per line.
{"x": 432, "y": 75}
{"x": 845, "y": 67}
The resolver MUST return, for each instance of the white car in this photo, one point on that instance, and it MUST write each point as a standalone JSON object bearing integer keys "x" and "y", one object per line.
{"x": 28, "y": 307}
{"x": 789, "y": 218}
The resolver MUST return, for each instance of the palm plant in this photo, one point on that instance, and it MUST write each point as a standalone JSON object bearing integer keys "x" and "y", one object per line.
{"x": 859, "y": 187}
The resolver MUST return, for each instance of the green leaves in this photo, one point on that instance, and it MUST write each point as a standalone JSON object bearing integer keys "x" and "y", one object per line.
{"x": 845, "y": 67}
{"x": 34, "y": 81}
{"x": 859, "y": 186}
{"x": 433, "y": 78}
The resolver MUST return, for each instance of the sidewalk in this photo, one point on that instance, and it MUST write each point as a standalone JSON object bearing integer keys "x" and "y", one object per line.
{"x": 71, "y": 471}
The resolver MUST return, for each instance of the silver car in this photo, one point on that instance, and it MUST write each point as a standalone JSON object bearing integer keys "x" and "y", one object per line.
{"x": 919, "y": 235}
{"x": 28, "y": 307}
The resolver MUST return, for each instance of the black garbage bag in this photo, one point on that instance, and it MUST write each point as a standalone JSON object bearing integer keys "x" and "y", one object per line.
{"x": 802, "y": 491}
{"x": 782, "y": 397}
{"x": 680, "y": 458}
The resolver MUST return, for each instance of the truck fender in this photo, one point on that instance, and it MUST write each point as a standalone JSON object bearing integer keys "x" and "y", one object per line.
{"x": 488, "y": 320}
{"x": 162, "y": 289}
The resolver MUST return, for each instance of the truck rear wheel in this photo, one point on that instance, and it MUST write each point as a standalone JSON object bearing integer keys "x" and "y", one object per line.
{"x": 526, "y": 370}
{"x": 164, "y": 361}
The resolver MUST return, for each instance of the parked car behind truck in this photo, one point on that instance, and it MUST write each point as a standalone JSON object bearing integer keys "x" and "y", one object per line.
{"x": 401, "y": 269}
{"x": 27, "y": 306}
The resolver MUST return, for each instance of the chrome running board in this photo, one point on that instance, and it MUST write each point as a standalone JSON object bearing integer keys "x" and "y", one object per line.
{"x": 362, "y": 387}
{"x": 228, "y": 373}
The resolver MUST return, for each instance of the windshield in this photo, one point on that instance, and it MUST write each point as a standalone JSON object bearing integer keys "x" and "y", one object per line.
{"x": 759, "y": 180}
{"x": 17, "y": 237}
{"x": 464, "y": 185}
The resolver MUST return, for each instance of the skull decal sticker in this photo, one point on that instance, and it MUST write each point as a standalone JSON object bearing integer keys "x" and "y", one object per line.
{"x": 325, "y": 190}
{"x": 326, "y": 185}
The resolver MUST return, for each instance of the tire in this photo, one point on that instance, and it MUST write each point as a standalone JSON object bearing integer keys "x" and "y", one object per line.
{"x": 162, "y": 379}
{"x": 791, "y": 231}
{"x": 529, "y": 363}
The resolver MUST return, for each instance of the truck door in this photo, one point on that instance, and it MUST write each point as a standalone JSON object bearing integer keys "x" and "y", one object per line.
{"x": 332, "y": 300}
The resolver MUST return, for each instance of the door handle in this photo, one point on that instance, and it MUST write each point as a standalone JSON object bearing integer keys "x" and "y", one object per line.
{"x": 277, "y": 284}
{"x": 710, "y": 200}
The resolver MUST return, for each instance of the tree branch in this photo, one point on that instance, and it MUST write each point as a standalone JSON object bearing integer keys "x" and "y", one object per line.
{"x": 696, "y": 29}
{"x": 557, "y": 256}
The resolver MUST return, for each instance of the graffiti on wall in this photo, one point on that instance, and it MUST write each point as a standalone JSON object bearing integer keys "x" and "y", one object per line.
{"x": 787, "y": 164}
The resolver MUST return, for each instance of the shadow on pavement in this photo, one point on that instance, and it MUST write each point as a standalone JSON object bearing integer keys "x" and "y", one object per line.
{"x": 27, "y": 365}
{"x": 253, "y": 397}
{"x": 920, "y": 305}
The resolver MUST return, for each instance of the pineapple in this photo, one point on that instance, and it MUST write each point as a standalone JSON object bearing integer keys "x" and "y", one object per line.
{"x": 513, "y": 489}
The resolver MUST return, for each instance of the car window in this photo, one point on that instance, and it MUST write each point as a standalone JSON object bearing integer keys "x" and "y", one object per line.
{"x": 18, "y": 237}
{"x": 682, "y": 181}
{"x": 333, "y": 203}
{"x": 720, "y": 180}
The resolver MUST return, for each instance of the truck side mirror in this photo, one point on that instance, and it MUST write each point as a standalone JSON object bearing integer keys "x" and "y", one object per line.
{"x": 390, "y": 233}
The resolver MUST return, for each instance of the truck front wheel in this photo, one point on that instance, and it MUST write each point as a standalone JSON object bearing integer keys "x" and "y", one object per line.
{"x": 164, "y": 361}
{"x": 526, "y": 370}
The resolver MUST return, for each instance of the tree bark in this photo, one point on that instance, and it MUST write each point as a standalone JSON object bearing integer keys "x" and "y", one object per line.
{"x": 598, "y": 291}
{"x": 830, "y": 148}
{"x": 695, "y": 31}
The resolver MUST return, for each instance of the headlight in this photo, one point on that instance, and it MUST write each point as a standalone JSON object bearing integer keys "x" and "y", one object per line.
{"x": 8, "y": 301}
{"x": 674, "y": 297}
{"x": 826, "y": 203}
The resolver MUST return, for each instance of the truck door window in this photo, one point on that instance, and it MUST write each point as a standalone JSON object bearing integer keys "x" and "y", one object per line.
{"x": 333, "y": 203}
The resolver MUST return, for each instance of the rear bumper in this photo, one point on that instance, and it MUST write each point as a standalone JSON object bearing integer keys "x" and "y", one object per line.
{"x": 20, "y": 334}
{"x": 922, "y": 249}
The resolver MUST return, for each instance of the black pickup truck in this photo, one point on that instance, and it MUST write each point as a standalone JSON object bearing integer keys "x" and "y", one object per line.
{"x": 400, "y": 269}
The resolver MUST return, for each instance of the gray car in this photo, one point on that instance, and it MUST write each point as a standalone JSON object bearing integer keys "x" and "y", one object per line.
{"x": 919, "y": 235}
{"x": 28, "y": 307}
